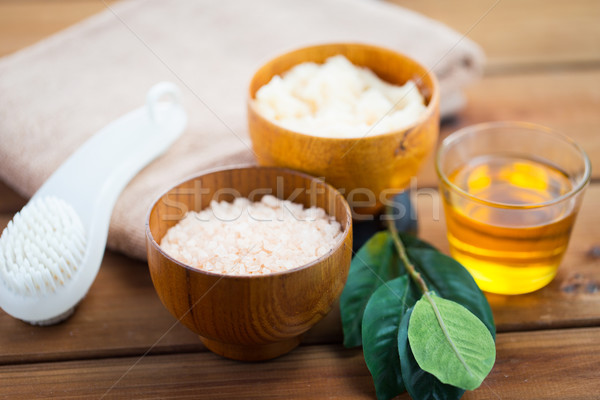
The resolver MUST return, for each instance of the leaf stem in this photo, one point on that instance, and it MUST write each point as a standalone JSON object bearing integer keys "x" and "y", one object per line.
{"x": 416, "y": 276}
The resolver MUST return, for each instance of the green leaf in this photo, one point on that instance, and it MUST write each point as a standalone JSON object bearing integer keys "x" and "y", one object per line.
{"x": 420, "y": 385}
{"x": 450, "y": 280}
{"x": 380, "y": 334}
{"x": 375, "y": 263}
{"x": 450, "y": 342}
{"x": 378, "y": 262}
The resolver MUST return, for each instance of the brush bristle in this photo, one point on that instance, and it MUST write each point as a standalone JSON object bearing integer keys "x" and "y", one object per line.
{"x": 42, "y": 247}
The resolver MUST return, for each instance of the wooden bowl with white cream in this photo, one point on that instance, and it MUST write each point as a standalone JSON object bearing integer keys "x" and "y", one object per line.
{"x": 367, "y": 168}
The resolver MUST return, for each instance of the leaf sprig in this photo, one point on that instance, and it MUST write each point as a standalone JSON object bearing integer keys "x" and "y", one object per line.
{"x": 424, "y": 325}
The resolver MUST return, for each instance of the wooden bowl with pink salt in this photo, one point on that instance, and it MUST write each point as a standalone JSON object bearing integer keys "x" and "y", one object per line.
{"x": 249, "y": 258}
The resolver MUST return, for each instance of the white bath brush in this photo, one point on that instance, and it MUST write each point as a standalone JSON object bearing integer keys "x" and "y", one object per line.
{"x": 51, "y": 251}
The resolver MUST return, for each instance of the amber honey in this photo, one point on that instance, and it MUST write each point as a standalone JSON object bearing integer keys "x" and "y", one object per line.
{"x": 507, "y": 227}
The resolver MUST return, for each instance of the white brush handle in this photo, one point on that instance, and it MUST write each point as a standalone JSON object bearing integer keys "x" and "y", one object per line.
{"x": 100, "y": 169}
{"x": 90, "y": 181}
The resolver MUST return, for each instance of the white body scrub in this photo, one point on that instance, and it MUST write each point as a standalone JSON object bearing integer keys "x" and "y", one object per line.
{"x": 338, "y": 99}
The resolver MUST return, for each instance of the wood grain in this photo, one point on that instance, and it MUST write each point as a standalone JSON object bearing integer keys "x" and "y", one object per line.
{"x": 515, "y": 34}
{"x": 543, "y": 67}
{"x": 567, "y": 101}
{"x": 523, "y": 35}
{"x": 122, "y": 315}
{"x": 23, "y": 23}
{"x": 549, "y": 365}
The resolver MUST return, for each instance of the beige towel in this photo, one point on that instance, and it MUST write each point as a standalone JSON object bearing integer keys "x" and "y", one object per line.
{"x": 57, "y": 93}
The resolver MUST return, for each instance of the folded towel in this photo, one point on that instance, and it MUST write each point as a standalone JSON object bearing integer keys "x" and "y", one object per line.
{"x": 57, "y": 93}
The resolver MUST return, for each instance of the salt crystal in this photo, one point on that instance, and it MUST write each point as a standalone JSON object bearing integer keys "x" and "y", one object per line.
{"x": 264, "y": 237}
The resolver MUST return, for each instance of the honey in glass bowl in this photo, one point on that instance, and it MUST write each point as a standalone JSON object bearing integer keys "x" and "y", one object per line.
{"x": 511, "y": 193}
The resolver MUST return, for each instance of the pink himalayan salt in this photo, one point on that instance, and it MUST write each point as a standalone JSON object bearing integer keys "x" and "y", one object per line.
{"x": 252, "y": 238}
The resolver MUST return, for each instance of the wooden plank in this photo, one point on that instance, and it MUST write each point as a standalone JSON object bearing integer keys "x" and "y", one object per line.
{"x": 23, "y": 23}
{"x": 549, "y": 365}
{"x": 513, "y": 33}
{"x": 553, "y": 364}
{"x": 534, "y": 34}
{"x": 122, "y": 316}
{"x": 564, "y": 101}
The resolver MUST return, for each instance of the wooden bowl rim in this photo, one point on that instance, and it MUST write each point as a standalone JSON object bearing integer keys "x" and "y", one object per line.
{"x": 429, "y": 110}
{"x": 345, "y": 232}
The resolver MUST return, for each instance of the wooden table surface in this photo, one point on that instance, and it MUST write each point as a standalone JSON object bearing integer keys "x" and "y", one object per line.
{"x": 543, "y": 66}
